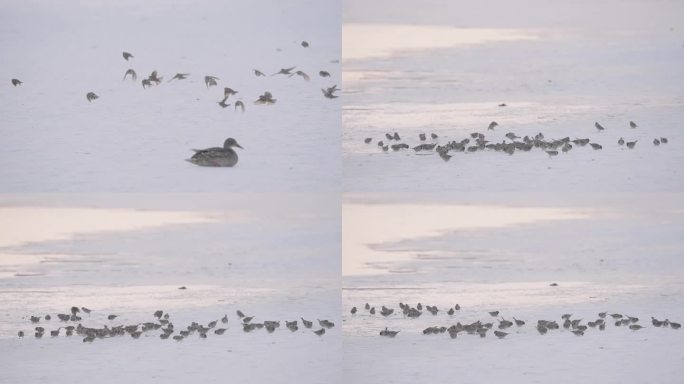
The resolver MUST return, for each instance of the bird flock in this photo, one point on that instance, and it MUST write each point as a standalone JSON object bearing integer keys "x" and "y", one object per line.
{"x": 160, "y": 324}
{"x": 218, "y": 156}
{"x": 478, "y": 142}
{"x": 481, "y": 328}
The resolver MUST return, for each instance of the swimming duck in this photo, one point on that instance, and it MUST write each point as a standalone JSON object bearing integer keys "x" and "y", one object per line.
{"x": 216, "y": 156}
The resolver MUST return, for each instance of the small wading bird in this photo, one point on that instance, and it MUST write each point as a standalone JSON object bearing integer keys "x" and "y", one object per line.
{"x": 266, "y": 98}
{"x": 155, "y": 78}
{"x": 227, "y": 92}
{"x": 284, "y": 71}
{"x": 210, "y": 81}
{"x": 302, "y": 74}
{"x": 222, "y": 103}
{"x": 218, "y": 157}
{"x": 179, "y": 76}
{"x": 132, "y": 74}
{"x": 330, "y": 92}
{"x": 388, "y": 333}
{"x": 239, "y": 104}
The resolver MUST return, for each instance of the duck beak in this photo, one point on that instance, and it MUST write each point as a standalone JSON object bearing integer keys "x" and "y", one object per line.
{"x": 238, "y": 145}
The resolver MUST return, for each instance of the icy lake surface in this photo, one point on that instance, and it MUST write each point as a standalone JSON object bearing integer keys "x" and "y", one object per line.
{"x": 620, "y": 254}
{"x": 446, "y": 67}
{"x": 275, "y": 257}
{"x": 135, "y": 140}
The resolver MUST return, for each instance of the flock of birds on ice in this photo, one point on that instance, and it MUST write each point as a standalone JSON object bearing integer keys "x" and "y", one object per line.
{"x": 224, "y": 156}
{"x": 477, "y": 142}
{"x": 481, "y": 328}
{"x": 70, "y": 323}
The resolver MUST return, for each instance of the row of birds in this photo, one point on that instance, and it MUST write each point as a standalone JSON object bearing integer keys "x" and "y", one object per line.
{"x": 211, "y": 81}
{"x": 481, "y": 328}
{"x": 480, "y": 143}
{"x": 162, "y": 321}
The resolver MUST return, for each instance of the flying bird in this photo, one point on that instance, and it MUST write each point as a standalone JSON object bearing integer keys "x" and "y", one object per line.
{"x": 92, "y": 96}
{"x": 324, "y": 74}
{"x": 16, "y": 82}
{"x": 222, "y": 103}
{"x": 180, "y": 76}
{"x": 330, "y": 92}
{"x": 130, "y": 73}
{"x": 229, "y": 91}
{"x": 258, "y": 73}
{"x": 284, "y": 71}
{"x": 266, "y": 98}
{"x": 240, "y": 104}
{"x": 302, "y": 74}
{"x": 153, "y": 77}
{"x": 127, "y": 55}
{"x": 210, "y": 80}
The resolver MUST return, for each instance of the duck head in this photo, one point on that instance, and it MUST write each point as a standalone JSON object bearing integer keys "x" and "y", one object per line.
{"x": 230, "y": 142}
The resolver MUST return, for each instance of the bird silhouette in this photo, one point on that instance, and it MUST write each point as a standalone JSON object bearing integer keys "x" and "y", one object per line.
{"x": 240, "y": 104}
{"x": 302, "y": 74}
{"x": 284, "y": 71}
{"x": 179, "y": 76}
{"x": 266, "y": 98}
{"x": 132, "y": 74}
{"x": 210, "y": 81}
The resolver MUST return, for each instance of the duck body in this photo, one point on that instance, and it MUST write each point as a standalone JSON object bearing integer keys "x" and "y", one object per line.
{"x": 216, "y": 156}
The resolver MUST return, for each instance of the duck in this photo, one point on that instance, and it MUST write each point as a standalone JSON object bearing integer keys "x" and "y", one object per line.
{"x": 216, "y": 156}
